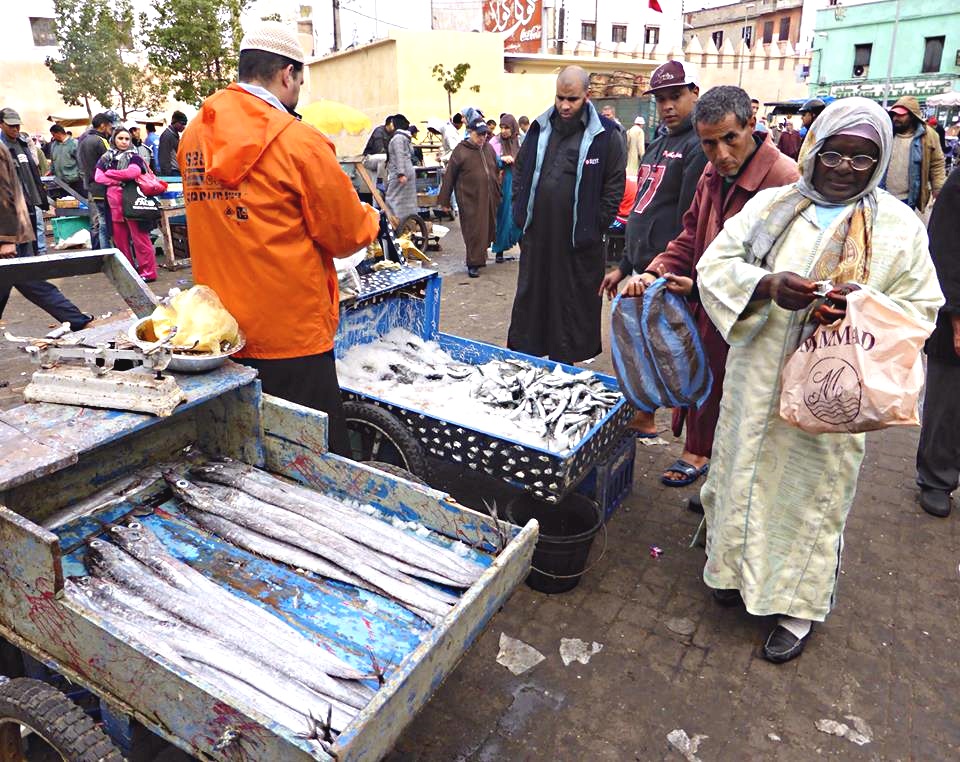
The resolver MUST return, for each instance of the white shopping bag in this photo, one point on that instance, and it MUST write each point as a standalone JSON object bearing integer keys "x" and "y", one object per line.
{"x": 859, "y": 374}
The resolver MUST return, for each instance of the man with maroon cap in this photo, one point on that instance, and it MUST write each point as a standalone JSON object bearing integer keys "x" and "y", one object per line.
{"x": 669, "y": 171}
{"x": 916, "y": 171}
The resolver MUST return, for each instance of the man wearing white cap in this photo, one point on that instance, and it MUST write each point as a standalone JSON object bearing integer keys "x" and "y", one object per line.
{"x": 635, "y": 146}
{"x": 268, "y": 208}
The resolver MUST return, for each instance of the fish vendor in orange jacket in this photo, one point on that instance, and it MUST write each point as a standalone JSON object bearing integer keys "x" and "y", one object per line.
{"x": 268, "y": 209}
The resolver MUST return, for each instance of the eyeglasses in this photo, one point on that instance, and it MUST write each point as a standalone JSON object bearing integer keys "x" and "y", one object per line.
{"x": 860, "y": 162}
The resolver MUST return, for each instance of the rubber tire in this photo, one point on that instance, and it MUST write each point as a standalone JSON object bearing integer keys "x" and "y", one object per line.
{"x": 393, "y": 470}
{"x": 61, "y": 723}
{"x": 415, "y": 224}
{"x": 372, "y": 416}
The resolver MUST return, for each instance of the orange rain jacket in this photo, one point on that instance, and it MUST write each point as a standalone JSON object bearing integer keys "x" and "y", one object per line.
{"x": 268, "y": 208}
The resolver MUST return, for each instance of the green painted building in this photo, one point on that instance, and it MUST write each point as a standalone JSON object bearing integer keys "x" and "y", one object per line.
{"x": 853, "y": 43}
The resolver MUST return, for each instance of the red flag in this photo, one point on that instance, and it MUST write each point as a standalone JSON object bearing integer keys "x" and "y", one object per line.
{"x": 655, "y": 6}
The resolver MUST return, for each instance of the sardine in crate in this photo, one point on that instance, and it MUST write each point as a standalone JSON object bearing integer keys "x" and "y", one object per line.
{"x": 610, "y": 482}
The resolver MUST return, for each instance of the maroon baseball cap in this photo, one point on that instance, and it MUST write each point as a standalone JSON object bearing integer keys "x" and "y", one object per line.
{"x": 673, "y": 74}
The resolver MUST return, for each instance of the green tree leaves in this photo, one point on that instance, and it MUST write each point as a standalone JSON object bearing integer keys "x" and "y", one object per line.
{"x": 97, "y": 57}
{"x": 193, "y": 44}
{"x": 452, "y": 80}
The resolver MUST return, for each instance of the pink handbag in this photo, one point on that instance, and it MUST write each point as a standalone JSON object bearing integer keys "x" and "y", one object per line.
{"x": 150, "y": 184}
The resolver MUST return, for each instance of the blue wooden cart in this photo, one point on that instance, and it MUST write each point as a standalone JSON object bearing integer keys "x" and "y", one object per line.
{"x": 409, "y": 298}
{"x": 52, "y": 456}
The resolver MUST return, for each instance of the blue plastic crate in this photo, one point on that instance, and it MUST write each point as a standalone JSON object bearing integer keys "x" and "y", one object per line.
{"x": 611, "y": 481}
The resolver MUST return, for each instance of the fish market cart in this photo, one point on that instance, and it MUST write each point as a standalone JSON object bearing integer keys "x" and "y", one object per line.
{"x": 405, "y": 432}
{"x": 58, "y": 461}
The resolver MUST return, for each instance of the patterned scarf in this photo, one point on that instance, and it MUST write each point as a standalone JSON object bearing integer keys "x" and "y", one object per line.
{"x": 846, "y": 255}
{"x": 114, "y": 158}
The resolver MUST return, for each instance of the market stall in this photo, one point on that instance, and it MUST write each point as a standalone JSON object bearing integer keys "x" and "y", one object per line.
{"x": 409, "y": 429}
{"x": 76, "y": 480}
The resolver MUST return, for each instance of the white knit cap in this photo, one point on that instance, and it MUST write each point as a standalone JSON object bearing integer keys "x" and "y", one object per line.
{"x": 273, "y": 37}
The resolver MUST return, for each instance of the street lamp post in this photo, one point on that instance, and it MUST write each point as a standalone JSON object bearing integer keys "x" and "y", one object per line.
{"x": 893, "y": 47}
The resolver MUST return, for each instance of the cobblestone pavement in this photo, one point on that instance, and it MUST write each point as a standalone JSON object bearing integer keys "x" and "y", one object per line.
{"x": 671, "y": 658}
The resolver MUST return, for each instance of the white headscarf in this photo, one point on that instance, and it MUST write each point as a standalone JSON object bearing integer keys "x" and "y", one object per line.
{"x": 847, "y": 116}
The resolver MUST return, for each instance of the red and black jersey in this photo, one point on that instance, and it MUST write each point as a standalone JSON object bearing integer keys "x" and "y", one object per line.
{"x": 668, "y": 177}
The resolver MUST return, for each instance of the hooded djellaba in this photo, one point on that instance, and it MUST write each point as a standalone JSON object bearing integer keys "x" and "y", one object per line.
{"x": 472, "y": 173}
{"x": 777, "y": 498}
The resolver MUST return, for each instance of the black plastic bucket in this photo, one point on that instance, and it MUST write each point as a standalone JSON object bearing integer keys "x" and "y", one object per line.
{"x": 567, "y": 530}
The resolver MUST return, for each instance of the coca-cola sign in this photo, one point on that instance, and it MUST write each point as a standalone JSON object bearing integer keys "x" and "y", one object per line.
{"x": 520, "y": 20}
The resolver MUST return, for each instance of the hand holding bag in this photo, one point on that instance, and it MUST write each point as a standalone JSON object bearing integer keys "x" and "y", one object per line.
{"x": 150, "y": 184}
{"x": 137, "y": 206}
{"x": 658, "y": 354}
{"x": 860, "y": 374}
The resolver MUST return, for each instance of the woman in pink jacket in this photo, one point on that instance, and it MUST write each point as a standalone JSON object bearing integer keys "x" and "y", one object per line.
{"x": 119, "y": 165}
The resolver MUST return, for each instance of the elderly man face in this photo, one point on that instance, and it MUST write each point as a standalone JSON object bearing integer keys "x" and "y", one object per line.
{"x": 727, "y": 143}
{"x": 11, "y": 131}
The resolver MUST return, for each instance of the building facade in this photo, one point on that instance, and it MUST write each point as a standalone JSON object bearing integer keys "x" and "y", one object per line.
{"x": 615, "y": 27}
{"x": 759, "y": 21}
{"x": 857, "y": 51}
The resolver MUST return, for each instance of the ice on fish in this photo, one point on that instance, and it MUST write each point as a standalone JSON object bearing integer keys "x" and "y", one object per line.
{"x": 546, "y": 408}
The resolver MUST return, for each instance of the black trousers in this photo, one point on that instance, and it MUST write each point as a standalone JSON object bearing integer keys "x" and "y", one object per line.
{"x": 45, "y": 295}
{"x": 310, "y": 381}
{"x": 938, "y": 456}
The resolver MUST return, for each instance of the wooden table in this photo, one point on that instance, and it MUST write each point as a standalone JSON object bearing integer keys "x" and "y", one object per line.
{"x": 171, "y": 208}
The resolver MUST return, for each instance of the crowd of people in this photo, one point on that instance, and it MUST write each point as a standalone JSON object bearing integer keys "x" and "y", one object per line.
{"x": 95, "y": 167}
{"x": 742, "y": 221}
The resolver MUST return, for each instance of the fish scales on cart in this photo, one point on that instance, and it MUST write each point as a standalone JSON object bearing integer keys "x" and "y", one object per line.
{"x": 548, "y": 466}
{"x": 70, "y": 552}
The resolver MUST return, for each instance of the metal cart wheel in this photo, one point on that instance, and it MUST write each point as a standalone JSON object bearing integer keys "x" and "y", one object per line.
{"x": 415, "y": 225}
{"x": 377, "y": 435}
{"x": 396, "y": 471}
{"x": 59, "y": 728}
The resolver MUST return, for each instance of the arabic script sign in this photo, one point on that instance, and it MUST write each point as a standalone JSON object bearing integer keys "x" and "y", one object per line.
{"x": 520, "y": 20}
{"x": 874, "y": 88}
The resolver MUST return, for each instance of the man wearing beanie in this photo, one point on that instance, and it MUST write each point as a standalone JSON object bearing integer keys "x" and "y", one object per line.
{"x": 268, "y": 209}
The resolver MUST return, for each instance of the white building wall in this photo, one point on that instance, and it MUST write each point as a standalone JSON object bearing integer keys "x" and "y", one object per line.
{"x": 636, "y": 14}
{"x": 16, "y": 37}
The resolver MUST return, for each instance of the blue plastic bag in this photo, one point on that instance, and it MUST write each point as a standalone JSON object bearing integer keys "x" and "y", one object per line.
{"x": 658, "y": 355}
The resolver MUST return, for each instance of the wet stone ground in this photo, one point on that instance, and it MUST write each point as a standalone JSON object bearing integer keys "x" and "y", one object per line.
{"x": 671, "y": 659}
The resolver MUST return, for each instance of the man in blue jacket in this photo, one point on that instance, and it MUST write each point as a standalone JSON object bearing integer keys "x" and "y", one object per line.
{"x": 567, "y": 187}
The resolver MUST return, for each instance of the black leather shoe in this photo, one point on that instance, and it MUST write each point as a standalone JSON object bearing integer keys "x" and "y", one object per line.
{"x": 782, "y": 645}
{"x": 473, "y": 272}
{"x": 694, "y": 504}
{"x": 727, "y": 597}
{"x": 499, "y": 259}
{"x": 936, "y": 502}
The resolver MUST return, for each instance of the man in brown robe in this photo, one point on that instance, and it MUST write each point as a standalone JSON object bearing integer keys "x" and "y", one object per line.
{"x": 742, "y": 161}
{"x": 472, "y": 173}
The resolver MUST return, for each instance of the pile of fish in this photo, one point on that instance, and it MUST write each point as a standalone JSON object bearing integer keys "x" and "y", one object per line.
{"x": 304, "y": 529}
{"x": 513, "y": 398}
{"x": 137, "y": 586}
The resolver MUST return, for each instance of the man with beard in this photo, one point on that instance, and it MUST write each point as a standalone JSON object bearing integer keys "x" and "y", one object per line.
{"x": 743, "y": 161}
{"x": 669, "y": 172}
{"x": 567, "y": 187}
{"x": 916, "y": 170}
